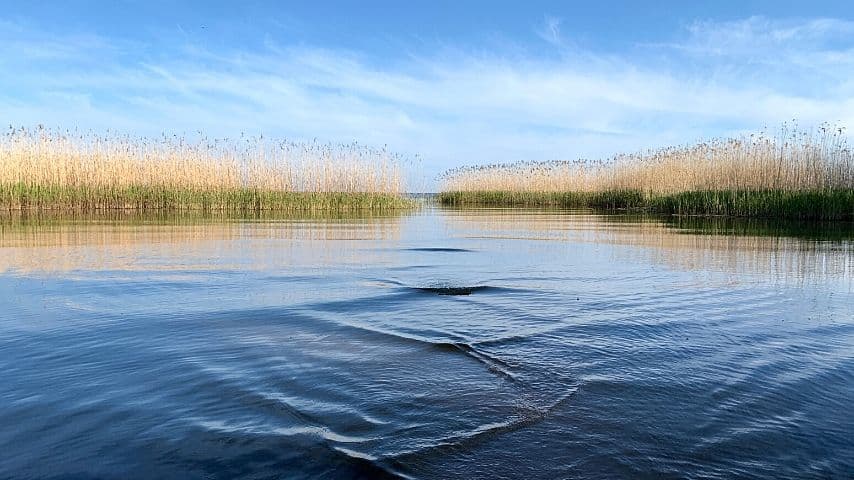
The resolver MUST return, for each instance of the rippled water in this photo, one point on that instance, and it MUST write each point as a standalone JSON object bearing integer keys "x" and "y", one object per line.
{"x": 440, "y": 344}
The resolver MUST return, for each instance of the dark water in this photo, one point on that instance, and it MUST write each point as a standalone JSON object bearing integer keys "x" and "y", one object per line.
{"x": 443, "y": 344}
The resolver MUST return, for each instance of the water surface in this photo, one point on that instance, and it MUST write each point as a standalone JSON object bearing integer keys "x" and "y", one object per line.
{"x": 438, "y": 344}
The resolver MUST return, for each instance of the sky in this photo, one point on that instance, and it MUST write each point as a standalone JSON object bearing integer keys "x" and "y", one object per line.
{"x": 444, "y": 83}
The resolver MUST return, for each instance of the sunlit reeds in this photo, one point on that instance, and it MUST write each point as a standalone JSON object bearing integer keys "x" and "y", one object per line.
{"x": 795, "y": 173}
{"x": 50, "y": 169}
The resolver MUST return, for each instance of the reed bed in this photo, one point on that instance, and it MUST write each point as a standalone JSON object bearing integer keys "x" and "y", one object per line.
{"x": 50, "y": 169}
{"x": 794, "y": 174}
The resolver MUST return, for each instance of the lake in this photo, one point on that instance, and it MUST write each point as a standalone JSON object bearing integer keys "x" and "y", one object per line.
{"x": 480, "y": 343}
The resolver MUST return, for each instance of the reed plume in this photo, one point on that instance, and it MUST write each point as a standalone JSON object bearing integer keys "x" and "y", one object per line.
{"x": 42, "y": 168}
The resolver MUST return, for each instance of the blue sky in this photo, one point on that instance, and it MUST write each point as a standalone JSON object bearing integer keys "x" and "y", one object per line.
{"x": 456, "y": 82}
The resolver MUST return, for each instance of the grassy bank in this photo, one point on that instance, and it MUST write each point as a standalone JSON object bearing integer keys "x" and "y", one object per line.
{"x": 509, "y": 198}
{"x": 51, "y": 170}
{"x": 808, "y": 204}
{"x": 52, "y": 197}
{"x": 800, "y": 175}
{"x": 805, "y": 205}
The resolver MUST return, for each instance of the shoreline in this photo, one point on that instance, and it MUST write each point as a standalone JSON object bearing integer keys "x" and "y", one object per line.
{"x": 86, "y": 199}
{"x": 825, "y": 205}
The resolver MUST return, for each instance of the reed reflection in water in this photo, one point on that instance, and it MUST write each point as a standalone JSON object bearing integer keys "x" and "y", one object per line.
{"x": 132, "y": 240}
{"x": 776, "y": 250}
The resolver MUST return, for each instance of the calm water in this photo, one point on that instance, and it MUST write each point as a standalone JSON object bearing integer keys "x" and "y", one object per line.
{"x": 442, "y": 344}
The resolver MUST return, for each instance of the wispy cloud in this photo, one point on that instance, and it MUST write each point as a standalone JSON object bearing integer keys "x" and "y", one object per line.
{"x": 451, "y": 106}
{"x": 550, "y": 30}
{"x": 760, "y": 35}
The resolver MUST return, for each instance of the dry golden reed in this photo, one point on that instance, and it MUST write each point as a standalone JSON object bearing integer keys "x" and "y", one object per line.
{"x": 794, "y": 160}
{"x": 51, "y": 168}
{"x": 799, "y": 174}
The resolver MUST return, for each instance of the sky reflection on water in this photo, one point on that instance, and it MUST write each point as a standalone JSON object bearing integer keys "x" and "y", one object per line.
{"x": 435, "y": 343}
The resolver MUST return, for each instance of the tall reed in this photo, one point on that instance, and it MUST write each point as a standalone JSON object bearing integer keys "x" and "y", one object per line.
{"x": 805, "y": 174}
{"x": 48, "y": 169}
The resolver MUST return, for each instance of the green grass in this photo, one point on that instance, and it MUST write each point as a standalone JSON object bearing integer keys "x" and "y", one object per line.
{"x": 607, "y": 200}
{"x": 807, "y": 205}
{"x": 35, "y": 197}
{"x": 514, "y": 199}
{"x": 813, "y": 205}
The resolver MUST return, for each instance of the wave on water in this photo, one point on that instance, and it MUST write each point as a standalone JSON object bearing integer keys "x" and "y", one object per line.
{"x": 525, "y": 416}
{"x": 439, "y": 249}
{"x": 445, "y": 287}
{"x": 450, "y": 290}
{"x": 493, "y": 363}
{"x": 319, "y": 454}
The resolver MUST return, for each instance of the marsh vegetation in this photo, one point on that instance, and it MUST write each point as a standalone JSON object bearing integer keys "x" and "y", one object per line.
{"x": 795, "y": 174}
{"x": 44, "y": 169}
